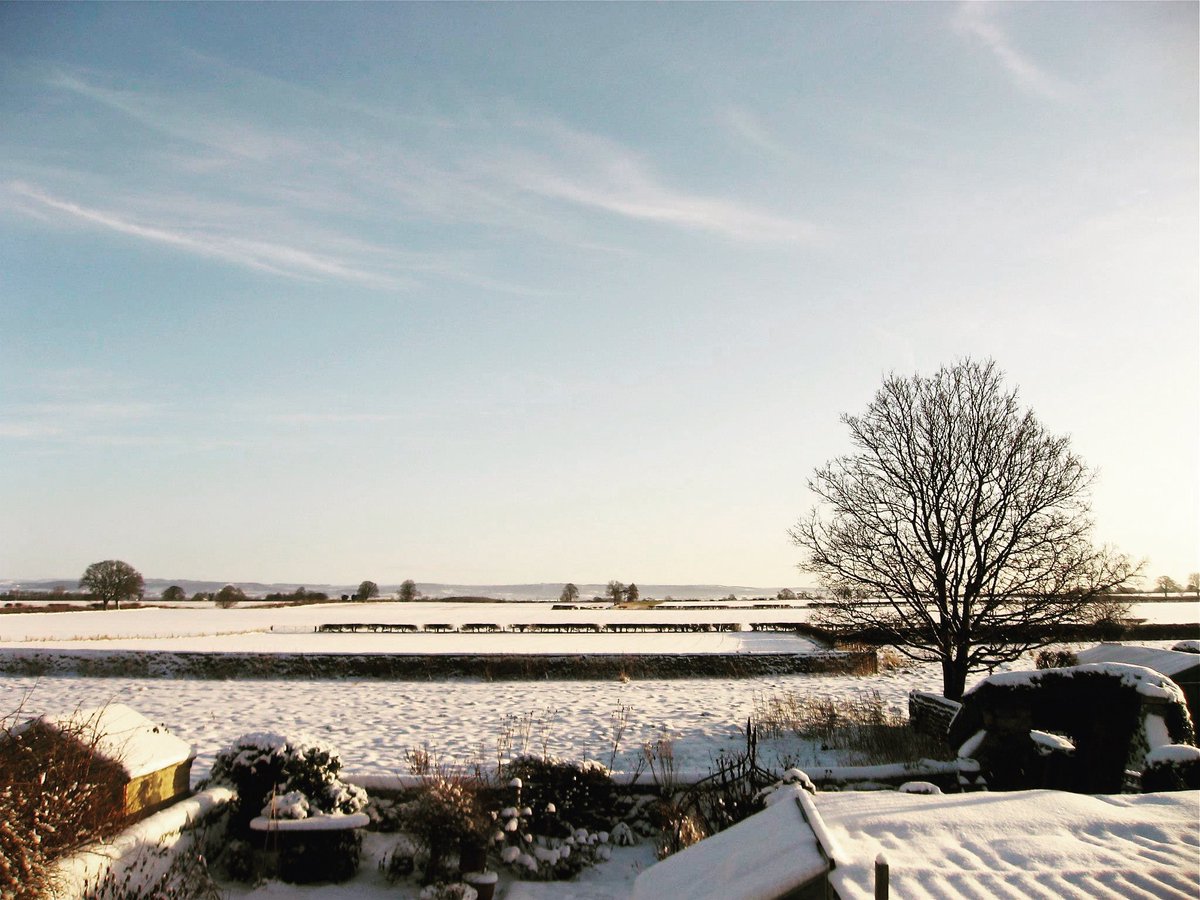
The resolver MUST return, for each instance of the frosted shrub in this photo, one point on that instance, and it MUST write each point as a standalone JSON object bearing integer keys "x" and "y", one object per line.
{"x": 537, "y": 844}
{"x": 1174, "y": 767}
{"x": 264, "y": 765}
{"x": 1052, "y": 658}
{"x": 446, "y": 815}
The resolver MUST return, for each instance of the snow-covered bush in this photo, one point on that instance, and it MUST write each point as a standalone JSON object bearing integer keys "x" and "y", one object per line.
{"x": 582, "y": 795}
{"x": 1112, "y": 716}
{"x": 263, "y": 765}
{"x": 1173, "y": 767}
{"x": 291, "y": 778}
{"x": 537, "y": 844}
{"x": 446, "y": 814}
{"x": 1055, "y": 658}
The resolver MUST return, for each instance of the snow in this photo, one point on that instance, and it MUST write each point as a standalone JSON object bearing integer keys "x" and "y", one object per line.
{"x": 324, "y": 822}
{"x": 1147, "y": 682}
{"x": 125, "y": 736}
{"x": 760, "y": 858}
{"x": 293, "y": 629}
{"x": 1023, "y": 844}
{"x": 1169, "y": 662}
{"x": 163, "y": 829}
{"x": 1172, "y": 753}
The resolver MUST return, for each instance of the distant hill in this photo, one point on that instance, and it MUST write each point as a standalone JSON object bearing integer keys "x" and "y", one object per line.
{"x": 513, "y": 592}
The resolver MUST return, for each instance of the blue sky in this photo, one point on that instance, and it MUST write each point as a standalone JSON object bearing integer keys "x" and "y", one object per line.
{"x": 509, "y": 293}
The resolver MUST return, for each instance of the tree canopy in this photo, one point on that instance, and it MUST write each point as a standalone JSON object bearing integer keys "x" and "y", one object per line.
{"x": 112, "y": 581}
{"x": 366, "y": 591}
{"x": 229, "y": 596}
{"x": 570, "y": 593}
{"x": 1167, "y": 585}
{"x": 174, "y": 593}
{"x": 965, "y": 521}
{"x": 408, "y": 591}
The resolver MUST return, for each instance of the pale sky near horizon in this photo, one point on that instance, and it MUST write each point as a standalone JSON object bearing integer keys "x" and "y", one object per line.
{"x": 540, "y": 292}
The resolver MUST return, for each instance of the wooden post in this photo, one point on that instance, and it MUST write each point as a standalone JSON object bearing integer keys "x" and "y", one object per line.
{"x": 881, "y": 877}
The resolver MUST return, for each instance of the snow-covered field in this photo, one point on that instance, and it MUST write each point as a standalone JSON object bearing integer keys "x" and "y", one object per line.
{"x": 292, "y": 629}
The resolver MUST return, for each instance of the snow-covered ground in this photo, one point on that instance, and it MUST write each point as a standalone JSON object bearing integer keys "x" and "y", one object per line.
{"x": 373, "y": 722}
{"x": 292, "y": 629}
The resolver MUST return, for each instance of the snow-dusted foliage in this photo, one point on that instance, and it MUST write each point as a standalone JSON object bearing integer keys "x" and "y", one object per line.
{"x": 285, "y": 777}
{"x": 1173, "y": 767}
{"x": 533, "y": 839}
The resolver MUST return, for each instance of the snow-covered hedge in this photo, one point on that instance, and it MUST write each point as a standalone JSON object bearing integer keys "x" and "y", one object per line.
{"x": 1113, "y": 714}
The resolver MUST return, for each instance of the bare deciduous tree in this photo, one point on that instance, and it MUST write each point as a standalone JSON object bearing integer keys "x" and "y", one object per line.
{"x": 408, "y": 591}
{"x": 963, "y": 517}
{"x": 112, "y": 581}
{"x": 1167, "y": 585}
{"x": 570, "y": 593}
{"x": 366, "y": 591}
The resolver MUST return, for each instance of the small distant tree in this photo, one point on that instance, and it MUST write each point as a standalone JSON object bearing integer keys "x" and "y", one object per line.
{"x": 632, "y": 593}
{"x": 229, "y": 596}
{"x": 1167, "y": 585}
{"x": 366, "y": 591}
{"x": 112, "y": 581}
{"x": 174, "y": 594}
{"x": 786, "y": 594}
{"x": 615, "y": 591}
{"x": 569, "y": 594}
{"x": 202, "y": 596}
{"x": 1193, "y": 583}
{"x": 407, "y": 592}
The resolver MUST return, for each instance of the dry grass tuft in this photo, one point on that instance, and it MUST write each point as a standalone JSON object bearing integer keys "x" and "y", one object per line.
{"x": 859, "y": 727}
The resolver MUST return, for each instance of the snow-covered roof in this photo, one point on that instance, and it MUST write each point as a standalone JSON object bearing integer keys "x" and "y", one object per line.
{"x": 764, "y": 856}
{"x": 123, "y": 735}
{"x": 1169, "y": 662}
{"x": 1015, "y": 845}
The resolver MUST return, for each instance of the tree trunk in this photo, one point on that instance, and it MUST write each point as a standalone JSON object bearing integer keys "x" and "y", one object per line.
{"x": 954, "y": 678}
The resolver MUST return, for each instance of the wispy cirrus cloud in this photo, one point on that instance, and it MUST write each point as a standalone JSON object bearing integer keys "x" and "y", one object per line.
{"x": 976, "y": 19}
{"x": 229, "y": 136}
{"x": 592, "y": 171}
{"x": 753, "y": 132}
{"x": 254, "y": 253}
{"x": 388, "y": 200}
